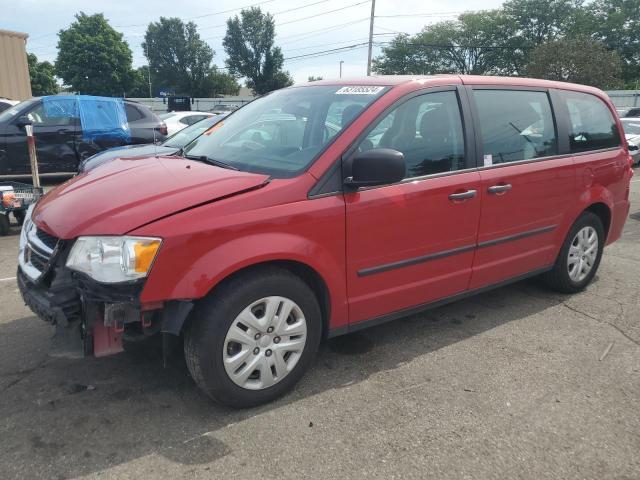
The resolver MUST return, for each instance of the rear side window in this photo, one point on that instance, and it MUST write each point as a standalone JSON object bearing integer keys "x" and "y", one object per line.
{"x": 133, "y": 113}
{"x": 515, "y": 125}
{"x": 592, "y": 125}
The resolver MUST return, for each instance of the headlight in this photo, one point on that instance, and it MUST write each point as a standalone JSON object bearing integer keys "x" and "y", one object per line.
{"x": 113, "y": 259}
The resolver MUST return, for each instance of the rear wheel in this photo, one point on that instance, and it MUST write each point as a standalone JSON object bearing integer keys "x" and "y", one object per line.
{"x": 579, "y": 257}
{"x": 254, "y": 337}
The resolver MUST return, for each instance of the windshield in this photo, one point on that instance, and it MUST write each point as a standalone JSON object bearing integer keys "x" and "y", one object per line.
{"x": 14, "y": 111}
{"x": 190, "y": 133}
{"x": 281, "y": 133}
{"x": 631, "y": 128}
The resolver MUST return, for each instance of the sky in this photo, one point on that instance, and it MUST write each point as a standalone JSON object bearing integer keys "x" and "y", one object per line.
{"x": 306, "y": 30}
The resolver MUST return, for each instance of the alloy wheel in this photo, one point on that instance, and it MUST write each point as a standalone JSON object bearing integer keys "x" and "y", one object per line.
{"x": 582, "y": 253}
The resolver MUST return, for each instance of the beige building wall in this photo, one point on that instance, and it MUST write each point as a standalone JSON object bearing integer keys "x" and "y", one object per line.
{"x": 14, "y": 70}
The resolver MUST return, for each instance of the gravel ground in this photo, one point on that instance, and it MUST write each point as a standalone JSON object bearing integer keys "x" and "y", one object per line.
{"x": 509, "y": 384}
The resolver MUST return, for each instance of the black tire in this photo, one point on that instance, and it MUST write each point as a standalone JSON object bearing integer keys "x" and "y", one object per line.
{"x": 558, "y": 278}
{"x": 205, "y": 335}
{"x": 4, "y": 224}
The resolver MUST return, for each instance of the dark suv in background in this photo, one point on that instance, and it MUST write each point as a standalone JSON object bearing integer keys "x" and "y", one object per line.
{"x": 60, "y": 142}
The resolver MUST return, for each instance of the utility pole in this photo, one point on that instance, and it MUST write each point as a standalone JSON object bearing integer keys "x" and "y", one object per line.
{"x": 149, "y": 71}
{"x": 373, "y": 13}
{"x": 341, "y": 62}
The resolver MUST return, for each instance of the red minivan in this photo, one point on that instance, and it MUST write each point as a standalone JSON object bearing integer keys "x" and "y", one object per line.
{"x": 322, "y": 209}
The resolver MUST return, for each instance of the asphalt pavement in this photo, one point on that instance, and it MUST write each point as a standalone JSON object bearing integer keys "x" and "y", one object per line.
{"x": 516, "y": 383}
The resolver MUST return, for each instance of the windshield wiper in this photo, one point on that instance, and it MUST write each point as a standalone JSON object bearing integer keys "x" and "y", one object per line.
{"x": 212, "y": 161}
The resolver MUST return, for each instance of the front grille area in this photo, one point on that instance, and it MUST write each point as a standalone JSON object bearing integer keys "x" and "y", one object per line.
{"x": 37, "y": 260}
{"x": 37, "y": 252}
{"x": 49, "y": 240}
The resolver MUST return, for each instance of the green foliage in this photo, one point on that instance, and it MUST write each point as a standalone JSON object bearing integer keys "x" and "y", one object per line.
{"x": 140, "y": 83}
{"x": 504, "y": 41}
{"x": 577, "y": 60}
{"x": 249, "y": 45}
{"x": 475, "y": 43}
{"x": 181, "y": 61}
{"x": 93, "y": 58}
{"x": 313, "y": 78}
{"x": 42, "y": 76}
{"x": 617, "y": 25}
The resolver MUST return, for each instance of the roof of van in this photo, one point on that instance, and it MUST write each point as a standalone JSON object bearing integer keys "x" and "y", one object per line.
{"x": 395, "y": 80}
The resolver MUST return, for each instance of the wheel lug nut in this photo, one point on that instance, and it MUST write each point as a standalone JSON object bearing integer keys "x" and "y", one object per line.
{"x": 257, "y": 336}
{"x": 256, "y": 351}
{"x": 268, "y": 353}
{"x": 276, "y": 340}
{"x": 270, "y": 329}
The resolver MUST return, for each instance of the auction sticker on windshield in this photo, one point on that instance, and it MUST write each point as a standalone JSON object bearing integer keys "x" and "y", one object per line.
{"x": 359, "y": 90}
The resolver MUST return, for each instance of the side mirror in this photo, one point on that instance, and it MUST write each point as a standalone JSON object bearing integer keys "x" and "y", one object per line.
{"x": 633, "y": 147}
{"x": 23, "y": 121}
{"x": 380, "y": 166}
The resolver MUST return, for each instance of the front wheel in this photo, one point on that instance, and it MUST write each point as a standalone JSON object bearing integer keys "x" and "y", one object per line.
{"x": 254, "y": 337}
{"x": 579, "y": 256}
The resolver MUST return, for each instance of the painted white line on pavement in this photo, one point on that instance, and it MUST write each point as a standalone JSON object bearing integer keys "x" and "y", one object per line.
{"x": 7, "y": 279}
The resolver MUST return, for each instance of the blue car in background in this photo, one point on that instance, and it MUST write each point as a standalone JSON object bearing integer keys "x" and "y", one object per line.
{"x": 170, "y": 146}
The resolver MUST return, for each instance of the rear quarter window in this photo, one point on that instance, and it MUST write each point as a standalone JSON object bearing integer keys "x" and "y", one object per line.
{"x": 591, "y": 123}
{"x": 133, "y": 113}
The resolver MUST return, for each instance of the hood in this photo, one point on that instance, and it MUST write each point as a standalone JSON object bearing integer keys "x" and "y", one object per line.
{"x": 127, "y": 151}
{"x": 124, "y": 194}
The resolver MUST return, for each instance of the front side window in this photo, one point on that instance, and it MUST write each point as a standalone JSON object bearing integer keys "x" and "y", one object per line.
{"x": 592, "y": 124}
{"x": 427, "y": 129}
{"x": 282, "y": 133}
{"x": 515, "y": 125}
{"x": 56, "y": 115}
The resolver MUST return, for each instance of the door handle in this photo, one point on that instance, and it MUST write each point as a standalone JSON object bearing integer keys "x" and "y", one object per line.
{"x": 500, "y": 188}
{"x": 462, "y": 195}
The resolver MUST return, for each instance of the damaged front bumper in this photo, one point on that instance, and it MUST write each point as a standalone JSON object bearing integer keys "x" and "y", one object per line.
{"x": 90, "y": 318}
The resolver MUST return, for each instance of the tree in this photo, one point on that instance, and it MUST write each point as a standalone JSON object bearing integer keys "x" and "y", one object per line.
{"x": 579, "y": 60}
{"x": 93, "y": 58}
{"x": 42, "y": 76}
{"x": 475, "y": 43}
{"x": 219, "y": 83}
{"x": 181, "y": 61}
{"x": 617, "y": 25}
{"x": 140, "y": 83}
{"x": 313, "y": 78}
{"x": 249, "y": 45}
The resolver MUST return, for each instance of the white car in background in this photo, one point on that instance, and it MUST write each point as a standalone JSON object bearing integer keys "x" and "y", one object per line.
{"x": 631, "y": 126}
{"x": 176, "y": 121}
{"x": 5, "y": 104}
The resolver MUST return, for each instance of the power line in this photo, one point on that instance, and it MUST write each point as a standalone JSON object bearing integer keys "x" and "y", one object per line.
{"x": 323, "y": 53}
{"x": 334, "y": 43}
{"x": 323, "y": 13}
{"x": 312, "y": 33}
{"x": 412, "y": 15}
{"x": 204, "y": 15}
{"x": 276, "y": 13}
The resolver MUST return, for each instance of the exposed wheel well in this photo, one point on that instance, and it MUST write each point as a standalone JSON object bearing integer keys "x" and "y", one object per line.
{"x": 603, "y": 212}
{"x": 306, "y": 273}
